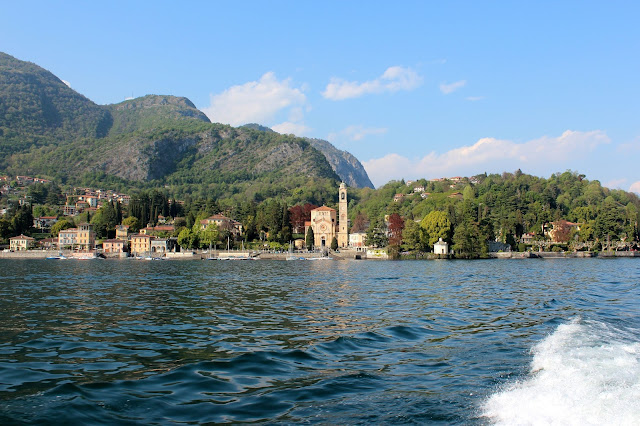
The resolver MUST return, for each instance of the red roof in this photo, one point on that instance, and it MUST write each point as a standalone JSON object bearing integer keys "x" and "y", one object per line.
{"x": 22, "y": 237}
{"x": 324, "y": 209}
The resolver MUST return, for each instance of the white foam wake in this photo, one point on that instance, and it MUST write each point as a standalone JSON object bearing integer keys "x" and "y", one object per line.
{"x": 586, "y": 372}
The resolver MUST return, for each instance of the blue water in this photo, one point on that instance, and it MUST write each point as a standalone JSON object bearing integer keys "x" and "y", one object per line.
{"x": 350, "y": 342}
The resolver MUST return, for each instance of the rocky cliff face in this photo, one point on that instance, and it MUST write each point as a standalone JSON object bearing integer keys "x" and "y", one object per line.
{"x": 345, "y": 164}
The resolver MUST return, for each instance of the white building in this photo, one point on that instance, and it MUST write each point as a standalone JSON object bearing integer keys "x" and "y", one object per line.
{"x": 441, "y": 247}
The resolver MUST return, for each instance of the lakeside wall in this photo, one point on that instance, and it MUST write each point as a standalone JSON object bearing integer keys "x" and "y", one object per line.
{"x": 342, "y": 255}
{"x": 562, "y": 255}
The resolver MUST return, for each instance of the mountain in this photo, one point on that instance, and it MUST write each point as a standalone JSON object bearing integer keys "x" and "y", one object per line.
{"x": 47, "y": 129}
{"x": 152, "y": 111}
{"x": 37, "y": 108}
{"x": 343, "y": 163}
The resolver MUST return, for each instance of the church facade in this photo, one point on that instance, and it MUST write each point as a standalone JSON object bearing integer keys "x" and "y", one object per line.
{"x": 328, "y": 224}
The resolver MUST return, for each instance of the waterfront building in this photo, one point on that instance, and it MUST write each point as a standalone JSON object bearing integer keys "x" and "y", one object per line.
{"x": 21, "y": 243}
{"x": 140, "y": 244}
{"x": 441, "y": 247}
{"x": 325, "y": 224}
{"x": 113, "y": 246}
{"x": 343, "y": 221}
{"x": 86, "y": 237}
{"x": 67, "y": 238}
{"x": 357, "y": 240}
{"x": 159, "y": 246}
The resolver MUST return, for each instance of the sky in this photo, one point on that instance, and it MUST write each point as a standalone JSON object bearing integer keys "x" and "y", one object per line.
{"x": 413, "y": 89}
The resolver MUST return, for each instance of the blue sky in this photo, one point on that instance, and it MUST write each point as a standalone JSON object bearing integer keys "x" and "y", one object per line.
{"x": 413, "y": 89}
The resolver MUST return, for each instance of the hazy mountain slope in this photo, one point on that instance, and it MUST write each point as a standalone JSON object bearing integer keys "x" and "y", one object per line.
{"x": 344, "y": 164}
{"x": 37, "y": 108}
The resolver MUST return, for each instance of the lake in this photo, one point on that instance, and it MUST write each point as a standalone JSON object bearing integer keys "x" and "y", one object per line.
{"x": 327, "y": 342}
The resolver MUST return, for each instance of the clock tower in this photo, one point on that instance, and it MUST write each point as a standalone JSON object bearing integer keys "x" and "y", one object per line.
{"x": 343, "y": 222}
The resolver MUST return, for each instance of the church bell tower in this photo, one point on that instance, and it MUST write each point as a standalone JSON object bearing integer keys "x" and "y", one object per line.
{"x": 343, "y": 222}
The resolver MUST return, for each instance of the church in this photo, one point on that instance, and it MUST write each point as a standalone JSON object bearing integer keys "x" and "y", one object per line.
{"x": 328, "y": 224}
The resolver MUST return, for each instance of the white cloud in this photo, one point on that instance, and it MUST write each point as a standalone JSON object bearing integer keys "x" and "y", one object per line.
{"x": 356, "y": 133}
{"x": 288, "y": 127}
{"x": 543, "y": 155}
{"x": 394, "y": 79}
{"x": 447, "y": 88}
{"x": 256, "y": 101}
{"x": 67, "y": 83}
{"x": 635, "y": 187}
{"x": 474, "y": 98}
{"x": 615, "y": 183}
{"x": 629, "y": 148}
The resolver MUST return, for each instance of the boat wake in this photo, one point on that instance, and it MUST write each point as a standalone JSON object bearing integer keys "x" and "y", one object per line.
{"x": 586, "y": 372}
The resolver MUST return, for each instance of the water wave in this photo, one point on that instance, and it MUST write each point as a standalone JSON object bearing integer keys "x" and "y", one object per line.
{"x": 586, "y": 372}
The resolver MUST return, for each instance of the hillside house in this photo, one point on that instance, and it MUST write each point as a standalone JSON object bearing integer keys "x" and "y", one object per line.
{"x": 158, "y": 230}
{"x": 223, "y": 223}
{"x": 122, "y": 232}
{"x": 69, "y": 210}
{"x": 44, "y": 222}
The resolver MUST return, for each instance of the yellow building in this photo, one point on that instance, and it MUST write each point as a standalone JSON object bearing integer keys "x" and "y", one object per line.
{"x": 113, "y": 246}
{"x": 86, "y": 237}
{"x": 325, "y": 223}
{"x": 122, "y": 232}
{"x": 343, "y": 221}
{"x": 140, "y": 244}
{"x": 21, "y": 243}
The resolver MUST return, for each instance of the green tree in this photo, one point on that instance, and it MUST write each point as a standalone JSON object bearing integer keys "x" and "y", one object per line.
{"x": 208, "y": 236}
{"x": 61, "y": 225}
{"x": 412, "y": 236}
{"x": 334, "y": 244}
{"x": 132, "y": 222}
{"x": 468, "y": 242}
{"x": 5, "y": 229}
{"x": 436, "y": 225}
{"x": 377, "y": 234}
{"x": 187, "y": 239}
{"x": 21, "y": 218}
{"x": 610, "y": 220}
{"x": 310, "y": 238}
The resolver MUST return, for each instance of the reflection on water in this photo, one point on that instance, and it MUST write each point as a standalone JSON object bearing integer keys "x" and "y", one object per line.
{"x": 328, "y": 342}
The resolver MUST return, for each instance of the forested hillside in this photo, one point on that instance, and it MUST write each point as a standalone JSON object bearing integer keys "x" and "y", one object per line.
{"x": 501, "y": 207}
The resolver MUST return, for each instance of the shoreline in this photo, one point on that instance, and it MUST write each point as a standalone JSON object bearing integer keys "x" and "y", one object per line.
{"x": 343, "y": 255}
